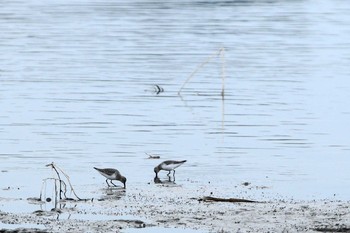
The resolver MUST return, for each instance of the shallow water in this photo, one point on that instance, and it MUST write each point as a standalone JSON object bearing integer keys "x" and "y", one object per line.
{"x": 77, "y": 88}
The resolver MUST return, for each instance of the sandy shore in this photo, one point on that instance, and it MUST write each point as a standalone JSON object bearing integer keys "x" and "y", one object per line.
{"x": 175, "y": 206}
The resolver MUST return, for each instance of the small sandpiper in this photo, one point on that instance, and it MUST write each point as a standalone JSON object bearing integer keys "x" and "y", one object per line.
{"x": 168, "y": 165}
{"x": 111, "y": 174}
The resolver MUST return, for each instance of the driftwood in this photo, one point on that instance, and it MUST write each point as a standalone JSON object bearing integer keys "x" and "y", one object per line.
{"x": 331, "y": 229}
{"x": 217, "y": 199}
{"x": 153, "y": 156}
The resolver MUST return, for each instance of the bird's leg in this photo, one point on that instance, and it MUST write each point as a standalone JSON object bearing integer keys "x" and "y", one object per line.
{"x": 113, "y": 183}
{"x": 174, "y": 173}
{"x": 157, "y": 180}
{"x": 169, "y": 173}
{"x": 107, "y": 182}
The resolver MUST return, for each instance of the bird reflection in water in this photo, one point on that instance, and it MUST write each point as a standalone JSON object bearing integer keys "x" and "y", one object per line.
{"x": 113, "y": 193}
{"x": 165, "y": 181}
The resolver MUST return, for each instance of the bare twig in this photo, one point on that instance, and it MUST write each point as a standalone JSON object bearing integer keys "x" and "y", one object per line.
{"x": 220, "y": 53}
{"x": 70, "y": 184}
{"x": 55, "y": 167}
{"x": 59, "y": 179}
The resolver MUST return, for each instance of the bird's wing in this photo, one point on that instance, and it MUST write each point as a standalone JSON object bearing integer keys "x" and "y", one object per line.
{"x": 109, "y": 171}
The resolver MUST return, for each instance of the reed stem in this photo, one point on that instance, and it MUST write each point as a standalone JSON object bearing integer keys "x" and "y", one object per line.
{"x": 221, "y": 54}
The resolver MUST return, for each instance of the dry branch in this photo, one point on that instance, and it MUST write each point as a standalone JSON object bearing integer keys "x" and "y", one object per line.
{"x": 221, "y": 53}
{"x": 57, "y": 170}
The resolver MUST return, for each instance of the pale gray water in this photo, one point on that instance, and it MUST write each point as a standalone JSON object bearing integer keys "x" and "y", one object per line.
{"x": 76, "y": 81}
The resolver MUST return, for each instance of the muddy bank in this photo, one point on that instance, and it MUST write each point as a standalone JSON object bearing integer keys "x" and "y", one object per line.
{"x": 175, "y": 206}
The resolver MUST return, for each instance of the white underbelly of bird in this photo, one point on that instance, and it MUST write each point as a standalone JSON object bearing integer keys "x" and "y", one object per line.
{"x": 109, "y": 176}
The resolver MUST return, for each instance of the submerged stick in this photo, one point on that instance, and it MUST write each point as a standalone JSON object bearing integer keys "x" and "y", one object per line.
{"x": 42, "y": 188}
{"x": 220, "y": 53}
{"x": 222, "y": 56}
{"x": 217, "y": 199}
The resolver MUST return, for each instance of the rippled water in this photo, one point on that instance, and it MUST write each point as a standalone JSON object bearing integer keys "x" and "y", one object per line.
{"x": 77, "y": 88}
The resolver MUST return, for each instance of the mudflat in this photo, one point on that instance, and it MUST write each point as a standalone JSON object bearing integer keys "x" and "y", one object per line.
{"x": 157, "y": 206}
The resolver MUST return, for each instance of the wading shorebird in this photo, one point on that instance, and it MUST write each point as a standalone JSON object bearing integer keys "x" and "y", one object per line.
{"x": 111, "y": 174}
{"x": 168, "y": 165}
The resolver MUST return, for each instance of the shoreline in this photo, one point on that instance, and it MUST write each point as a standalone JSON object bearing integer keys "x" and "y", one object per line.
{"x": 173, "y": 206}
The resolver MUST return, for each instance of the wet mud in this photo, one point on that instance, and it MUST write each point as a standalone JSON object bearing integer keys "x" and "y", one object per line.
{"x": 168, "y": 205}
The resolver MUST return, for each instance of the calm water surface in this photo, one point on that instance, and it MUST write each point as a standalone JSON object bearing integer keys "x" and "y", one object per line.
{"x": 77, "y": 81}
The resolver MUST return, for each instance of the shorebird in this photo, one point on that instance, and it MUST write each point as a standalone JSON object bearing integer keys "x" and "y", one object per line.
{"x": 111, "y": 174}
{"x": 168, "y": 165}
